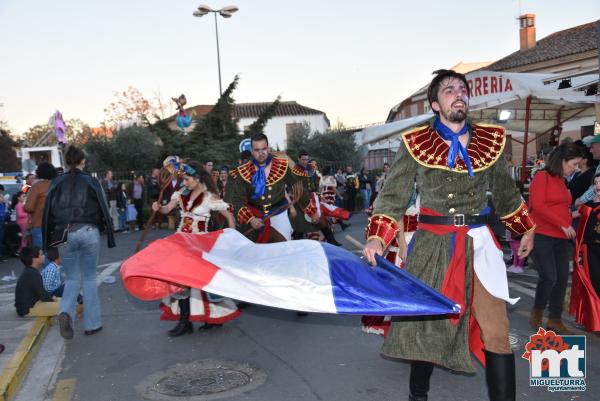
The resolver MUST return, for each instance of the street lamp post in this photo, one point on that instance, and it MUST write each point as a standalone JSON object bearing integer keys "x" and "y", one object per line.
{"x": 225, "y": 12}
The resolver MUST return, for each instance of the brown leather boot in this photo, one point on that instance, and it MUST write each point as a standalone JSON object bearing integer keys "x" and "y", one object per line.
{"x": 535, "y": 319}
{"x": 558, "y": 326}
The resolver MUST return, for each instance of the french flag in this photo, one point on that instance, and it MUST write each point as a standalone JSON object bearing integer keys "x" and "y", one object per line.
{"x": 301, "y": 275}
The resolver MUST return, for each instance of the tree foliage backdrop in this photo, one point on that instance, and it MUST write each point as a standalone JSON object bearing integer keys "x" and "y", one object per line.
{"x": 77, "y": 132}
{"x": 130, "y": 149}
{"x": 8, "y": 155}
{"x": 335, "y": 147}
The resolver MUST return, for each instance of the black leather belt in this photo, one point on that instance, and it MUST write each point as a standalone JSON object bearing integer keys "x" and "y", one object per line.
{"x": 457, "y": 220}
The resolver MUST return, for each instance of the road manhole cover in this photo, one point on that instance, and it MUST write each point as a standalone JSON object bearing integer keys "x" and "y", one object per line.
{"x": 202, "y": 380}
{"x": 517, "y": 340}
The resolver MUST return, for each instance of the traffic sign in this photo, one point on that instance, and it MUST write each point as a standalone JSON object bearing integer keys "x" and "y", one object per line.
{"x": 245, "y": 144}
{"x": 29, "y": 165}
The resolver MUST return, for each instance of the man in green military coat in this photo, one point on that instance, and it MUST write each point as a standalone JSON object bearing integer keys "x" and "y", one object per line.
{"x": 453, "y": 162}
{"x": 258, "y": 195}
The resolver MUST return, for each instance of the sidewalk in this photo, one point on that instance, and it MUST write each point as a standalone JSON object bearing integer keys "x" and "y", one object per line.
{"x": 20, "y": 336}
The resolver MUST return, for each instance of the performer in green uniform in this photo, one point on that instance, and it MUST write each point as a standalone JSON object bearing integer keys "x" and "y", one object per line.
{"x": 453, "y": 162}
{"x": 258, "y": 195}
{"x": 303, "y": 225}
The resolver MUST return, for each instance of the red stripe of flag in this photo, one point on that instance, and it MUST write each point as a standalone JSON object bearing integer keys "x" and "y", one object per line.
{"x": 182, "y": 262}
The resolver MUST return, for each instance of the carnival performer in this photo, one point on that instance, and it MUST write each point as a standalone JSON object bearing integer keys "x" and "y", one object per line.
{"x": 197, "y": 200}
{"x": 258, "y": 195}
{"x": 303, "y": 225}
{"x": 585, "y": 290}
{"x": 452, "y": 161}
{"x": 327, "y": 195}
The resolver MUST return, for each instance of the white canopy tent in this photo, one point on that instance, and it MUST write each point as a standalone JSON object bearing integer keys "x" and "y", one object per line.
{"x": 520, "y": 102}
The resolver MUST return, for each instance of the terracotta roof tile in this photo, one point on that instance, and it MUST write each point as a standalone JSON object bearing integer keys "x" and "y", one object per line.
{"x": 253, "y": 110}
{"x": 563, "y": 43}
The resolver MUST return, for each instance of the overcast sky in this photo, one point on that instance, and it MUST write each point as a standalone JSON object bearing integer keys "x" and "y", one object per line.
{"x": 353, "y": 60}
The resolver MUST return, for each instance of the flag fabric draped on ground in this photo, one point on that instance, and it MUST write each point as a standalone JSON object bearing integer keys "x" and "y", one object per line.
{"x": 301, "y": 275}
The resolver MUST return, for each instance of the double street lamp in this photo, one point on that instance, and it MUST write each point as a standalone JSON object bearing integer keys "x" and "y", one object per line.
{"x": 225, "y": 12}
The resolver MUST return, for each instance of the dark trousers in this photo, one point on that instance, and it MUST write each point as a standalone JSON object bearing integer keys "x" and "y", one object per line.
{"x": 551, "y": 258}
{"x": 139, "y": 207}
{"x": 350, "y": 200}
{"x": 593, "y": 255}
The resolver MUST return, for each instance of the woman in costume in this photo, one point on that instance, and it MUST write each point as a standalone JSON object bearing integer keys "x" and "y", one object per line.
{"x": 585, "y": 292}
{"x": 197, "y": 200}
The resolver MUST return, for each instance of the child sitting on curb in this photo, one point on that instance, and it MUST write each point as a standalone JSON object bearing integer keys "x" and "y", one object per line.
{"x": 51, "y": 274}
{"x": 31, "y": 299}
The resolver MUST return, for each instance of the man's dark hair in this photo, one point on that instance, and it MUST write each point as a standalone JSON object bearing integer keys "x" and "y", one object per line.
{"x": 28, "y": 253}
{"x": 302, "y": 153}
{"x": 209, "y": 161}
{"x": 74, "y": 156}
{"x": 52, "y": 254}
{"x": 45, "y": 171}
{"x": 434, "y": 86}
{"x": 224, "y": 168}
{"x": 562, "y": 153}
{"x": 326, "y": 170}
{"x": 258, "y": 138}
{"x": 386, "y": 164}
{"x": 29, "y": 175}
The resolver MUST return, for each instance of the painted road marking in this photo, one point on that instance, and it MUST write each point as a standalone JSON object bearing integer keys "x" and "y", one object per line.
{"x": 64, "y": 390}
{"x": 110, "y": 269}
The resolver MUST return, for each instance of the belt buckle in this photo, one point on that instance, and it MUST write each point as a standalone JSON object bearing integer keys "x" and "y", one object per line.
{"x": 459, "y": 220}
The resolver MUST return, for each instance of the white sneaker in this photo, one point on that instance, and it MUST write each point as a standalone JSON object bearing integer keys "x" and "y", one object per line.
{"x": 515, "y": 269}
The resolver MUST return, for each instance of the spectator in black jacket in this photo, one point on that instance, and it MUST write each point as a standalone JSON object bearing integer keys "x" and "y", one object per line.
{"x": 582, "y": 180}
{"x": 31, "y": 299}
{"x": 122, "y": 206}
{"x": 76, "y": 206}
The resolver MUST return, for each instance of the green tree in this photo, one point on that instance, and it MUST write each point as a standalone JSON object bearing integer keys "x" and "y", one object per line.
{"x": 135, "y": 148}
{"x": 298, "y": 139}
{"x": 258, "y": 126}
{"x": 8, "y": 155}
{"x": 99, "y": 154}
{"x": 216, "y": 136}
{"x": 173, "y": 142}
{"x": 130, "y": 149}
{"x": 334, "y": 147}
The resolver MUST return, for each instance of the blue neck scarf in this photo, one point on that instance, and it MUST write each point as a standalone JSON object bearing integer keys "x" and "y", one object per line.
{"x": 309, "y": 170}
{"x": 456, "y": 148}
{"x": 259, "y": 181}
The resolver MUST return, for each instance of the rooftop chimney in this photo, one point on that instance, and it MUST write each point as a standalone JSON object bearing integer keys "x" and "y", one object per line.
{"x": 527, "y": 31}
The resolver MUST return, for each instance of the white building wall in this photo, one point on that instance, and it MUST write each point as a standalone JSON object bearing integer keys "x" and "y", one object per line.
{"x": 276, "y": 130}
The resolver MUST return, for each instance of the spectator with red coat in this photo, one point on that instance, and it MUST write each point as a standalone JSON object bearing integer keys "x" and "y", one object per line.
{"x": 549, "y": 205}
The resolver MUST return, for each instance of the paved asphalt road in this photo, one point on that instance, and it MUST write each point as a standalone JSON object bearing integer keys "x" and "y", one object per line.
{"x": 317, "y": 357}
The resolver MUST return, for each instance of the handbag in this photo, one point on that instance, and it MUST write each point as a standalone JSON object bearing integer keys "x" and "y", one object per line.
{"x": 59, "y": 237}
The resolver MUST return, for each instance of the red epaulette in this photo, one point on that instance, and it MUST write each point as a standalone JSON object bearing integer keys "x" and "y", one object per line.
{"x": 430, "y": 150}
{"x": 299, "y": 171}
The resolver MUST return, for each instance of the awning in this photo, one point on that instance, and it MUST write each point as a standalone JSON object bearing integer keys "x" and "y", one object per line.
{"x": 515, "y": 94}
